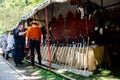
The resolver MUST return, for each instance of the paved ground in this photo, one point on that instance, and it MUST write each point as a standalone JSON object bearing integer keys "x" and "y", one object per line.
{"x": 28, "y": 71}
{"x": 9, "y": 72}
{"x": 25, "y": 69}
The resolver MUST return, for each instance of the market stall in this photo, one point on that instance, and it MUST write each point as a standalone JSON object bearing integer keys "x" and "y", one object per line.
{"x": 75, "y": 26}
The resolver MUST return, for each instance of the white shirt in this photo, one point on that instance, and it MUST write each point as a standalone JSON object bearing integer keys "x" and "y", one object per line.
{"x": 10, "y": 42}
{"x": 4, "y": 41}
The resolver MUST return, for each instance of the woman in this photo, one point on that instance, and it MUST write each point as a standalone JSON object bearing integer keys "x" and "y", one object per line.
{"x": 19, "y": 45}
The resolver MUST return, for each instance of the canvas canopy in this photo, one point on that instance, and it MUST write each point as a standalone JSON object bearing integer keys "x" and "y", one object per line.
{"x": 56, "y": 7}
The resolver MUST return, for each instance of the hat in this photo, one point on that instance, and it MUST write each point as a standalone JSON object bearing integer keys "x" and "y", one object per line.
{"x": 34, "y": 22}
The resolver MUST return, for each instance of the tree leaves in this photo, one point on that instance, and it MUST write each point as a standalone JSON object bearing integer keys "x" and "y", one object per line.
{"x": 11, "y": 11}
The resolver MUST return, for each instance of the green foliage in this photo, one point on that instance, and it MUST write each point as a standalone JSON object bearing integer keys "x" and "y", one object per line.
{"x": 16, "y": 3}
{"x": 1, "y": 1}
{"x": 48, "y": 75}
{"x": 11, "y": 11}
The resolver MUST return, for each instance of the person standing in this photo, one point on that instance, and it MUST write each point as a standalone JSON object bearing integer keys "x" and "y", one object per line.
{"x": 19, "y": 37}
{"x": 33, "y": 40}
{"x": 10, "y": 43}
{"x": 4, "y": 42}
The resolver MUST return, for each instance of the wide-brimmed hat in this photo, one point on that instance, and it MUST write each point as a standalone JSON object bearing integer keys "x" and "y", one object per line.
{"x": 35, "y": 22}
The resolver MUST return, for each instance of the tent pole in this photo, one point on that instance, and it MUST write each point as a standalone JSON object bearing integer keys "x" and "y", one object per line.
{"x": 101, "y": 3}
{"x": 49, "y": 54}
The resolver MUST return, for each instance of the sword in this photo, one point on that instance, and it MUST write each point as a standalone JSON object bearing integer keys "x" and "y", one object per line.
{"x": 85, "y": 62}
{"x": 61, "y": 52}
{"x": 82, "y": 58}
{"x": 72, "y": 57}
{"x": 69, "y": 50}
{"x": 54, "y": 49}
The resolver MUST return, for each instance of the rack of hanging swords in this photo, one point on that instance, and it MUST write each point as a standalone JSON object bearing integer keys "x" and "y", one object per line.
{"x": 70, "y": 57}
{"x": 70, "y": 40}
{"x": 70, "y": 44}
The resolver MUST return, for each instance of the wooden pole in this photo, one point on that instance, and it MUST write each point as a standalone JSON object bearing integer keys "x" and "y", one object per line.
{"x": 49, "y": 54}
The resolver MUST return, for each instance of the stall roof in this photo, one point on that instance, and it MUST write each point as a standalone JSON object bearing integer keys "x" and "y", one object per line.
{"x": 61, "y": 8}
{"x": 42, "y": 6}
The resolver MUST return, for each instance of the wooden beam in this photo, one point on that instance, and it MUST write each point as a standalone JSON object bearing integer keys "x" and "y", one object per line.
{"x": 52, "y": 70}
{"x": 111, "y": 5}
{"x": 95, "y": 4}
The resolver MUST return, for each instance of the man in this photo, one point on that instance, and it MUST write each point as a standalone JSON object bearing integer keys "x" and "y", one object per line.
{"x": 19, "y": 39}
{"x": 33, "y": 40}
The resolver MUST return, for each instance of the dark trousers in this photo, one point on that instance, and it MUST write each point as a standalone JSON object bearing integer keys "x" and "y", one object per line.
{"x": 18, "y": 53}
{"x": 35, "y": 44}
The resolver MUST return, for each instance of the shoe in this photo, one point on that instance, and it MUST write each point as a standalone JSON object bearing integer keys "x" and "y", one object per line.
{"x": 17, "y": 65}
{"x": 33, "y": 67}
{"x": 6, "y": 58}
{"x": 9, "y": 57}
{"x": 41, "y": 65}
{"x": 21, "y": 62}
{"x": 3, "y": 55}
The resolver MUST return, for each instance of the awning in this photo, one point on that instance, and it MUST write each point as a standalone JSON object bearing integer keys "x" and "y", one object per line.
{"x": 57, "y": 7}
{"x": 42, "y": 6}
